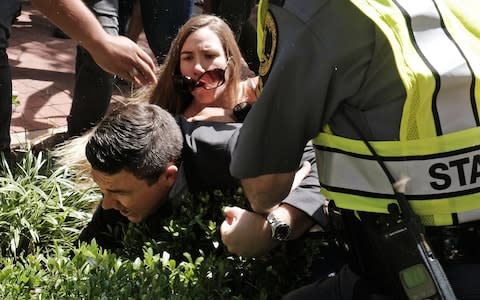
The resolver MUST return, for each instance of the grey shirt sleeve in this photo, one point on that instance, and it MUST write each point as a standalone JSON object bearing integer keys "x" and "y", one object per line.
{"x": 206, "y": 155}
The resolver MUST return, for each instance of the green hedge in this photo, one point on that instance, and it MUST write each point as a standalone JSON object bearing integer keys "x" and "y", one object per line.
{"x": 42, "y": 212}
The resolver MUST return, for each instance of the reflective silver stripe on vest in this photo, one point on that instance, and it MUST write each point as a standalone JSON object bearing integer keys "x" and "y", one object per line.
{"x": 468, "y": 216}
{"x": 453, "y": 105}
{"x": 432, "y": 177}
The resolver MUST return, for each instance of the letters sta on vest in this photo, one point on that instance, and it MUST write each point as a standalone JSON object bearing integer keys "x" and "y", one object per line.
{"x": 439, "y": 146}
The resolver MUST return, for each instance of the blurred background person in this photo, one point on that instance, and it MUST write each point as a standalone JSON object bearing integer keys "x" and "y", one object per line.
{"x": 9, "y": 10}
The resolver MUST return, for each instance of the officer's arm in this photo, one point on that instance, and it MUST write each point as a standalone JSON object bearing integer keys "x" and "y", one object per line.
{"x": 266, "y": 191}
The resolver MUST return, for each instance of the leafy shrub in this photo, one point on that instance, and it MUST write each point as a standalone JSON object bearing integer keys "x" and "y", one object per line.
{"x": 186, "y": 261}
{"x": 40, "y": 207}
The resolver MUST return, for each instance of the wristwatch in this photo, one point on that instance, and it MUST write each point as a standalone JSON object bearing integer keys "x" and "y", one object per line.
{"x": 280, "y": 229}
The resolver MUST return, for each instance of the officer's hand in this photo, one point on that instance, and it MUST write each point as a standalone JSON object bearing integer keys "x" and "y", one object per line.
{"x": 246, "y": 233}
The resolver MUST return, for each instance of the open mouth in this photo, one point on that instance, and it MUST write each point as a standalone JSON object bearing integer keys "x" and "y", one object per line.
{"x": 209, "y": 80}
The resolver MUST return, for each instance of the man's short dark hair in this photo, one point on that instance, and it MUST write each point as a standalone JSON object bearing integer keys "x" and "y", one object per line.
{"x": 142, "y": 139}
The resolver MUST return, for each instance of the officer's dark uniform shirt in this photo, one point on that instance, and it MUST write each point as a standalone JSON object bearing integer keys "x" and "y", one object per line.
{"x": 205, "y": 165}
{"x": 320, "y": 55}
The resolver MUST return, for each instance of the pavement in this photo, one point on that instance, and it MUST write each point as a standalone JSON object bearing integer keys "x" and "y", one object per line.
{"x": 43, "y": 77}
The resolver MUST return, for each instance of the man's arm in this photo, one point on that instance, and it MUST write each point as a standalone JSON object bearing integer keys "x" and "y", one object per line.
{"x": 117, "y": 55}
{"x": 249, "y": 234}
{"x": 266, "y": 191}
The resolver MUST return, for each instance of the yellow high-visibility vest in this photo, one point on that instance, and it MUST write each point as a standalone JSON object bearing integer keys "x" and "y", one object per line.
{"x": 436, "y": 45}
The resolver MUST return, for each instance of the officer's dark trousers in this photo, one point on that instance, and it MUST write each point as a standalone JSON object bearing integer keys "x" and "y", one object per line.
{"x": 346, "y": 285}
{"x": 457, "y": 247}
{"x": 93, "y": 86}
{"x": 8, "y": 11}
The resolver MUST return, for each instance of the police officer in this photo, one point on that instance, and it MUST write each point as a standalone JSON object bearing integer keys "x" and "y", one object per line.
{"x": 399, "y": 77}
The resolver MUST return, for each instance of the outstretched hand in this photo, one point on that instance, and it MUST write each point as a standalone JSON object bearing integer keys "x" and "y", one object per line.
{"x": 122, "y": 57}
{"x": 115, "y": 54}
{"x": 301, "y": 174}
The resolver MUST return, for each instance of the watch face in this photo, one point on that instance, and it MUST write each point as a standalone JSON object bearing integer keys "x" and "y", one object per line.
{"x": 282, "y": 232}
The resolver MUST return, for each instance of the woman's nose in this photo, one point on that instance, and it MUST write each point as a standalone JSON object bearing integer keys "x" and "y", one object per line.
{"x": 198, "y": 68}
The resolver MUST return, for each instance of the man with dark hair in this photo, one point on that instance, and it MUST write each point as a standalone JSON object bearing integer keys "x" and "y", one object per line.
{"x": 133, "y": 153}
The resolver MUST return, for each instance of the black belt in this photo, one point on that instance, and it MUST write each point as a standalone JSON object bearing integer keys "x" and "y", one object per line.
{"x": 457, "y": 243}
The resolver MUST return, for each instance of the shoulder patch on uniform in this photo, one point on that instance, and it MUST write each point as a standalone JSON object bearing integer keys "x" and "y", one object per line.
{"x": 270, "y": 47}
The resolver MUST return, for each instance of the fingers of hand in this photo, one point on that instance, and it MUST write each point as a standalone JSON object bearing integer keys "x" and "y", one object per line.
{"x": 301, "y": 174}
{"x": 142, "y": 70}
{"x": 147, "y": 68}
{"x": 225, "y": 230}
{"x": 133, "y": 72}
{"x": 229, "y": 215}
{"x": 307, "y": 165}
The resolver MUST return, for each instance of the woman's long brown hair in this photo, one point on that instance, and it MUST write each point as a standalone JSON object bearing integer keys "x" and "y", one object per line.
{"x": 164, "y": 93}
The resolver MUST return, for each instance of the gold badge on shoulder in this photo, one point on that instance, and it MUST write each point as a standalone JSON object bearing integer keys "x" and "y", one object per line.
{"x": 270, "y": 45}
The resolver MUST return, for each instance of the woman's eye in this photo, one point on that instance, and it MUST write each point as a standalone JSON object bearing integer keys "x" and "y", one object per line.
{"x": 211, "y": 56}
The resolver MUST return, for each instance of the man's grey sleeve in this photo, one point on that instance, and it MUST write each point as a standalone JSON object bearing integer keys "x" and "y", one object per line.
{"x": 306, "y": 196}
{"x": 206, "y": 156}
